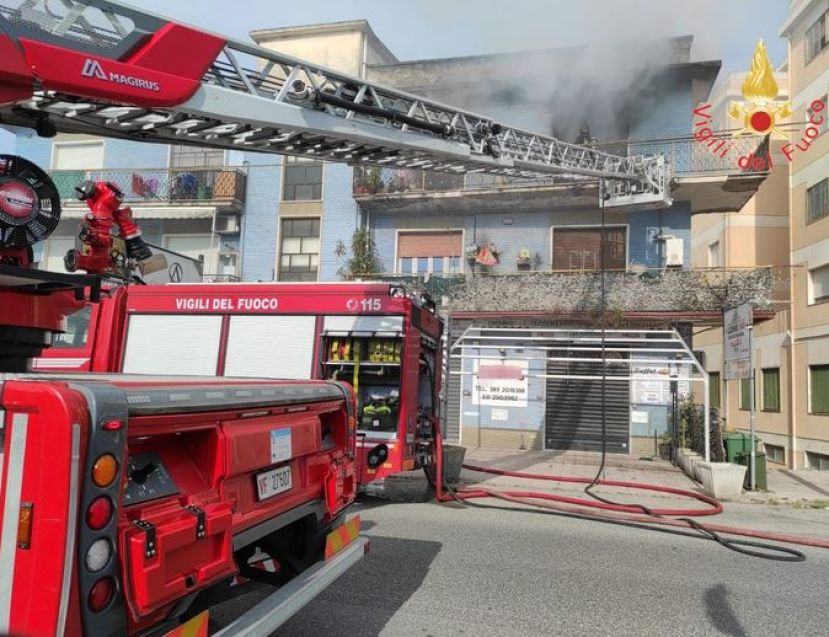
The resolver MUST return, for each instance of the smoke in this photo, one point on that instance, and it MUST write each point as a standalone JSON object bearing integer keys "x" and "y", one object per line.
{"x": 599, "y": 61}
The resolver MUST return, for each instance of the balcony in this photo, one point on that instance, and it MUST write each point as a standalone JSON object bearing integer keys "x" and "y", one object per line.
{"x": 688, "y": 295}
{"x": 711, "y": 181}
{"x": 221, "y": 187}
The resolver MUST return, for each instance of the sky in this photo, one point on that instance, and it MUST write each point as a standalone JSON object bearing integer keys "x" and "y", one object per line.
{"x": 724, "y": 30}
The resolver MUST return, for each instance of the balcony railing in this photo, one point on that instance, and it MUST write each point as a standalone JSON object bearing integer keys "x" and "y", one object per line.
{"x": 699, "y": 290}
{"x": 218, "y": 186}
{"x": 687, "y": 157}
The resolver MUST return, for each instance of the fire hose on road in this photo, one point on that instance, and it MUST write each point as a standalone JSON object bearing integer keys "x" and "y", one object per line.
{"x": 671, "y": 520}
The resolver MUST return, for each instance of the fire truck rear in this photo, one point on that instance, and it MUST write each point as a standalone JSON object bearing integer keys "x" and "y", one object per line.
{"x": 130, "y": 506}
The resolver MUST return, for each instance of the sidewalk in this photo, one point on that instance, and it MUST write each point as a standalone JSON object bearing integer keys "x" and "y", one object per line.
{"x": 803, "y": 488}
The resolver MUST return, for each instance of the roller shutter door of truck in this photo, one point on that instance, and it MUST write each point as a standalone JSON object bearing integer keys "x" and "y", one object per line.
{"x": 172, "y": 344}
{"x": 270, "y": 346}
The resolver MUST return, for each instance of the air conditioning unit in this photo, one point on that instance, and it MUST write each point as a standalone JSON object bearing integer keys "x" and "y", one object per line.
{"x": 674, "y": 252}
{"x": 226, "y": 224}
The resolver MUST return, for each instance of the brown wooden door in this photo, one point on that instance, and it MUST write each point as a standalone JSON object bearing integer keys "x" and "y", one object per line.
{"x": 578, "y": 248}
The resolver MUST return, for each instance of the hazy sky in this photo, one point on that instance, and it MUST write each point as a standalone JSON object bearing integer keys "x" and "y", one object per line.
{"x": 723, "y": 29}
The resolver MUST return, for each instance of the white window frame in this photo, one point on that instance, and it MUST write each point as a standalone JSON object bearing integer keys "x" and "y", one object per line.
{"x": 278, "y": 264}
{"x": 810, "y": 285}
{"x": 821, "y": 45}
{"x": 184, "y": 168}
{"x": 590, "y": 226}
{"x": 400, "y": 231}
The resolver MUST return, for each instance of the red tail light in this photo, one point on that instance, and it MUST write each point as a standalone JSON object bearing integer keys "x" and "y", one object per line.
{"x": 101, "y": 594}
{"x": 99, "y": 513}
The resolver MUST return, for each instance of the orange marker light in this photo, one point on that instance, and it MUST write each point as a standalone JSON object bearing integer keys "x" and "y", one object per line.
{"x": 104, "y": 470}
{"x": 24, "y": 525}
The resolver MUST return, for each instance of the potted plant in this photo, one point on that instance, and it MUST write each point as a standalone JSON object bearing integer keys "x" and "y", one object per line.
{"x": 524, "y": 261}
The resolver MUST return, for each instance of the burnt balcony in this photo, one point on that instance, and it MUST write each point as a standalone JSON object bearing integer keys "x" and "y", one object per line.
{"x": 696, "y": 295}
{"x": 706, "y": 173}
{"x": 221, "y": 187}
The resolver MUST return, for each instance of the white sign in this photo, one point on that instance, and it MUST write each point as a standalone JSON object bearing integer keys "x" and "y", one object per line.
{"x": 500, "y": 414}
{"x": 500, "y": 383}
{"x": 639, "y": 417}
{"x": 280, "y": 445}
{"x": 649, "y": 386}
{"x": 737, "y": 340}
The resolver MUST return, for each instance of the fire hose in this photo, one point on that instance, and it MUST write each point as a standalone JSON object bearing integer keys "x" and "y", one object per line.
{"x": 635, "y": 515}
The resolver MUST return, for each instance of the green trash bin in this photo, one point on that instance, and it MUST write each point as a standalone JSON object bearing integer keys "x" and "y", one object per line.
{"x": 760, "y": 482}
{"x": 737, "y": 442}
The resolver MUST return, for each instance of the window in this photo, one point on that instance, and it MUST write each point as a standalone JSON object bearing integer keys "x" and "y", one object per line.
{"x": 819, "y": 284}
{"x": 815, "y": 38}
{"x": 578, "y": 248}
{"x": 429, "y": 252}
{"x": 771, "y": 389}
{"x": 817, "y": 461}
{"x": 714, "y": 389}
{"x": 714, "y": 255}
{"x": 817, "y": 201}
{"x": 77, "y": 330}
{"x": 775, "y": 453}
{"x": 819, "y": 389}
{"x": 299, "y": 250}
{"x": 745, "y": 394}
{"x": 78, "y": 156}
{"x": 194, "y": 157}
{"x": 824, "y": 125}
{"x": 301, "y": 179}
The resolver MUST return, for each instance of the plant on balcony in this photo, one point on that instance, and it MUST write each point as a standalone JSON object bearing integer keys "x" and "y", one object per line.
{"x": 524, "y": 260}
{"x": 364, "y": 259}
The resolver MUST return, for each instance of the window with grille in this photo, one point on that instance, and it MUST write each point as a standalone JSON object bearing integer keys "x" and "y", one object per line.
{"x": 775, "y": 453}
{"x": 817, "y": 201}
{"x": 299, "y": 250}
{"x": 194, "y": 157}
{"x": 771, "y": 389}
{"x": 815, "y": 38}
{"x": 819, "y": 389}
{"x": 714, "y": 389}
{"x": 301, "y": 179}
{"x": 819, "y": 461}
{"x": 819, "y": 284}
{"x": 745, "y": 394}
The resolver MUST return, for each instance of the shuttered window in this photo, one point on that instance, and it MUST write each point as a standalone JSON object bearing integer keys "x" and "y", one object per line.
{"x": 819, "y": 389}
{"x": 578, "y": 248}
{"x": 429, "y": 252}
{"x": 771, "y": 389}
{"x": 714, "y": 389}
{"x": 745, "y": 394}
{"x": 817, "y": 201}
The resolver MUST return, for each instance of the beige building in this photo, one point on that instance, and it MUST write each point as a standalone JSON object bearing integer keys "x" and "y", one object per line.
{"x": 786, "y": 226}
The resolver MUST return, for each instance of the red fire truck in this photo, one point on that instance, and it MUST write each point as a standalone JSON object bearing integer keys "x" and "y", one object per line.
{"x": 377, "y": 337}
{"x": 131, "y": 503}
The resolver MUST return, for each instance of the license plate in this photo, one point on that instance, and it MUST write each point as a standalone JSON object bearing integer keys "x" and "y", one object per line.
{"x": 272, "y": 482}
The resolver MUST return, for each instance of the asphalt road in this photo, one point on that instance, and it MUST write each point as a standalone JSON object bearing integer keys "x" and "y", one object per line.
{"x": 443, "y": 570}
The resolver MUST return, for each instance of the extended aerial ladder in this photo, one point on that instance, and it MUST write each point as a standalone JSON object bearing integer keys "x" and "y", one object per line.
{"x": 104, "y": 68}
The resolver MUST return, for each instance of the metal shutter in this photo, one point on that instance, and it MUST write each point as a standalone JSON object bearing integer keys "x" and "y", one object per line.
{"x": 172, "y": 344}
{"x": 452, "y": 417}
{"x": 573, "y": 410}
{"x": 270, "y": 346}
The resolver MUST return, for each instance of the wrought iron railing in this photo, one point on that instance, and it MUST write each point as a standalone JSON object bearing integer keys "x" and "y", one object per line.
{"x": 686, "y": 156}
{"x": 220, "y": 186}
